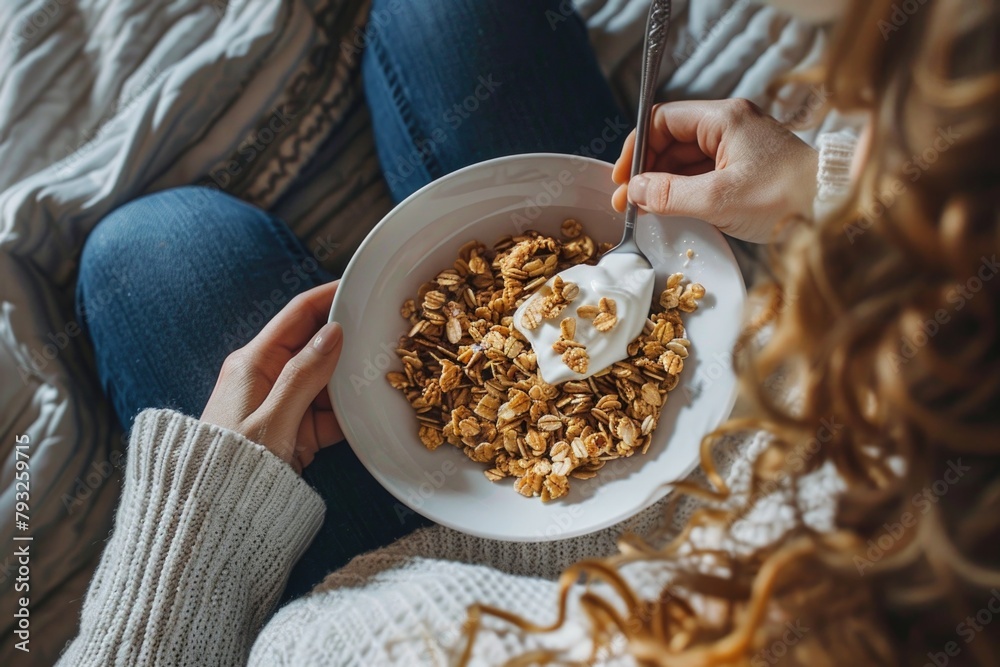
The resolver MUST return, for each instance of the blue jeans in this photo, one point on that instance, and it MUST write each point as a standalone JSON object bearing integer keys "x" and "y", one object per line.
{"x": 449, "y": 83}
{"x": 455, "y": 82}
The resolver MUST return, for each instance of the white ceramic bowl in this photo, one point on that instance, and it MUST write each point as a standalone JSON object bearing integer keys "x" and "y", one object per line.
{"x": 486, "y": 201}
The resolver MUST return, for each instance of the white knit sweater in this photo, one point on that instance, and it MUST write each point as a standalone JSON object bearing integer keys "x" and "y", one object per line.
{"x": 210, "y": 524}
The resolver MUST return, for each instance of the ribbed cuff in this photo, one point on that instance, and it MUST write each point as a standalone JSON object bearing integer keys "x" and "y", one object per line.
{"x": 833, "y": 179}
{"x": 209, "y": 526}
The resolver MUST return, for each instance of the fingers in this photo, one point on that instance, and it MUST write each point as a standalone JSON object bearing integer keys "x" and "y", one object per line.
{"x": 693, "y": 169}
{"x": 623, "y": 165}
{"x": 697, "y": 122}
{"x": 684, "y": 140}
{"x": 295, "y": 390}
{"x": 319, "y": 429}
{"x": 294, "y": 324}
{"x": 320, "y": 424}
{"x": 322, "y": 401}
{"x": 304, "y": 454}
{"x": 619, "y": 200}
{"x": 327, "y": 429}
{"x": 676, "y": 159}
{"x": 673, "y": 194}
{"x": 684, "y": 132}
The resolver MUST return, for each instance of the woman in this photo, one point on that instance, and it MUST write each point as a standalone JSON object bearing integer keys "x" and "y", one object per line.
{"x": 213, "y": 512}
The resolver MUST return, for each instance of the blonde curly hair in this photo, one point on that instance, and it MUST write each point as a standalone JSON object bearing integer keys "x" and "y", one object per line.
{"x": 886, "y": 314}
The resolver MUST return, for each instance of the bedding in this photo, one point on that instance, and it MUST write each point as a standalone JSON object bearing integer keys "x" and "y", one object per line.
{"x": 102, "y": 101}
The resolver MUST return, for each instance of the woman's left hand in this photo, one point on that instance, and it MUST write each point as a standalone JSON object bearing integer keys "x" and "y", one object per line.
{"x": 273, "y": 390}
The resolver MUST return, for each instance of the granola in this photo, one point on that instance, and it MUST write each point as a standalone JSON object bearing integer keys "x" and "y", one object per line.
{"x": 473, "y": 382}
{"x": 607, "y": 317}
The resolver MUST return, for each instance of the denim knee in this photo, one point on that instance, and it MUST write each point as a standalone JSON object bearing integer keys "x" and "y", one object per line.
{"x": 127, "y": 227}
{"x": 134, "y": 243}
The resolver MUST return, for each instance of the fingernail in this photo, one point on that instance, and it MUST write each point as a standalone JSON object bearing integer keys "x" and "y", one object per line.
{"x": 637, "y": 189}
{"x": 328, "y": 338}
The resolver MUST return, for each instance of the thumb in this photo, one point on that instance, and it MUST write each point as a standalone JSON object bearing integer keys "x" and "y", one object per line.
{"x": 672, "y": 194}
{"x": 302, "y": 378}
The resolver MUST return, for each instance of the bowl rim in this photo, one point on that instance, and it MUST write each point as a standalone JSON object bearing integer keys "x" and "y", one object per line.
{"x": 359, "y": 451}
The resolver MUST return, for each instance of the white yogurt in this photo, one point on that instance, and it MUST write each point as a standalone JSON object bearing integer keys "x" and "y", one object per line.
{"x": 628, "y": 280}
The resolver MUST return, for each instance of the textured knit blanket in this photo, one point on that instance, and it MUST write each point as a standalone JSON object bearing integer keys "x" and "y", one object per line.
{"x": 104, "y": 100}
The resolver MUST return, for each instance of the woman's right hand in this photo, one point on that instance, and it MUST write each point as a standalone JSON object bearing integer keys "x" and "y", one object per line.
{"x": 726, "y": 162}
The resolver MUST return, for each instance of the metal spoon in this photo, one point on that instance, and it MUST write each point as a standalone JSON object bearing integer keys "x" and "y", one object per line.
{"x": 657, "y": 27}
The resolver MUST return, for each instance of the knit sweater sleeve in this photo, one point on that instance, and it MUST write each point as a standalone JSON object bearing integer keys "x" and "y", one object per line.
{"x": 207, "y": 530}
{"x": 833, "y": 179}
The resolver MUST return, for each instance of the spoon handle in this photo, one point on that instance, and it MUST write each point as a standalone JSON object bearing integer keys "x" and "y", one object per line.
{"x": 657, "y": 27}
